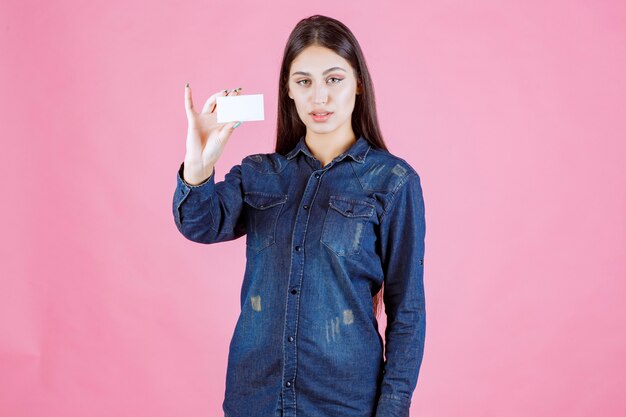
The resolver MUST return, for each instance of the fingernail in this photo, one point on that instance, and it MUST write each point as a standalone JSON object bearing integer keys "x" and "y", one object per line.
{"x": 236, "y": 125}
{"x": 237, "y": 89}
{"x": 187, "y": 85}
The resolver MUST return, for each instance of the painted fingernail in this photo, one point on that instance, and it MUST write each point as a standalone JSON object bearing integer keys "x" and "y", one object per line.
{"x": 236, "y": 125}
{"x": 187, "y": 85}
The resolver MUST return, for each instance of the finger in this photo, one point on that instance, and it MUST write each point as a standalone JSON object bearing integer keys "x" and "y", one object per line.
{"x": 210, "y": 103}
{"x": 227, "y": 129}
{"x": 188, "y": 101}
{"x": 234, "y": 91}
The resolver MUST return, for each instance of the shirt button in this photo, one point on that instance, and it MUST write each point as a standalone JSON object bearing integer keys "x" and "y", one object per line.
{"x": 291, "y": 338}
{"x": 294, "y": 291}
{"x": 298, "y": 248}
{"x": 317, "y": 175}
{"x": 288, "y": 383}
{"x": 306, "y": 207}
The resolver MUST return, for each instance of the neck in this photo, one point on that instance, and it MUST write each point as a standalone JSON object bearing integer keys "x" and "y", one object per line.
{"x": 326, "y": 147}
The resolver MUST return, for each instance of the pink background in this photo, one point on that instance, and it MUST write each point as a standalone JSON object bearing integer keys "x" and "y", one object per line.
{"x": 513, "y": 114}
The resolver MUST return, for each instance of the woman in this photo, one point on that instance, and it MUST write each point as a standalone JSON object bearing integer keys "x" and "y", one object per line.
{"x": 329, "y": 217}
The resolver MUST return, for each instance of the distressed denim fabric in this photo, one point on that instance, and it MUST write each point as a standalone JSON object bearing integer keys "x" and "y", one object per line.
{"x": 320, "y": 241}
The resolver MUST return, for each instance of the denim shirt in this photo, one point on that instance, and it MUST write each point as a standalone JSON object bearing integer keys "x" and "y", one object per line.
{"x": 320, "y": 241}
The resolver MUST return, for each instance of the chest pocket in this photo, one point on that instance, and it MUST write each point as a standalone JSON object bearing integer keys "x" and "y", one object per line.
{"x": 345, "y": 223}
{"x": 262, "y": 214}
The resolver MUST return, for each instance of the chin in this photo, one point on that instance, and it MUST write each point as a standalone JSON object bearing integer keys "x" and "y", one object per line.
{"x": 322, "y": 131}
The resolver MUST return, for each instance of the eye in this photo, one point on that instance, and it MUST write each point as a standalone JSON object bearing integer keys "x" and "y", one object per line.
{"x": 337, "y": 81}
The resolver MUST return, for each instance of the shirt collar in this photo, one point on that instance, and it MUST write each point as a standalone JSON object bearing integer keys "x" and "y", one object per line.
{"x": 357, "y": 151}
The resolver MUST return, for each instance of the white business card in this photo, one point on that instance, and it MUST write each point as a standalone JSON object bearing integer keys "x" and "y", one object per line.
{"x": 243, "y": 108}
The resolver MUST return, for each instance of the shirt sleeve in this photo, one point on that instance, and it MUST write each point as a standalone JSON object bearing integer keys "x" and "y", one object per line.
{"x": 209, "y": 212}
{"x": 403, "y": 230}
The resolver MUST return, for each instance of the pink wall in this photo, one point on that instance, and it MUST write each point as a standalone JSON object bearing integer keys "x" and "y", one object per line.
{"x": 513, "y": 113}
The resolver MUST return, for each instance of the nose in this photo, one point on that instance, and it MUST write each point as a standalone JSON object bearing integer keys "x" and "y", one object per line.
{"x": 321, "y": 94}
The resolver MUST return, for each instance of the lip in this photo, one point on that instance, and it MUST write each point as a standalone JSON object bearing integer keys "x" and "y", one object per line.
{"x": 320, "y": 118}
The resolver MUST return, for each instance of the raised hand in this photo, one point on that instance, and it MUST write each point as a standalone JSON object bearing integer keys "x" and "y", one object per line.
{"x": 206, "y": 139}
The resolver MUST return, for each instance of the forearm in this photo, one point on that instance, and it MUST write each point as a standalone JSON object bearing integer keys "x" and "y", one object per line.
{"x": 195, "y": 174}
{"x": 404, "y": 350}
{"x": 209, "y": 212}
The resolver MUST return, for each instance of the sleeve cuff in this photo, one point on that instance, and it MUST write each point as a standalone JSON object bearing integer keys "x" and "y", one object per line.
{"x": 201, "y": 192}
{"x": 392, "y": 406}
{"x": 182, "y": 178}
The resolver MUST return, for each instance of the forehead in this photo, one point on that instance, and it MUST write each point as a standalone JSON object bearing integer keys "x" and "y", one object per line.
{"x": 316, "y": 59}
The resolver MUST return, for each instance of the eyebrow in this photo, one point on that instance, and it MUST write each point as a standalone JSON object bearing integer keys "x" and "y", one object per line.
{"x": 324, "y": 73}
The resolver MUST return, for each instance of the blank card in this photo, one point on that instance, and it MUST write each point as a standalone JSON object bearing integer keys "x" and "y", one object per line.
{"x": 242, "y": 108}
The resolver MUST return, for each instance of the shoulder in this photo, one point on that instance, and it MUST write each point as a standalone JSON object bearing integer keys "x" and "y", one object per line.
{"x": 384, "y": 172}
{"x": 264, "y": 163}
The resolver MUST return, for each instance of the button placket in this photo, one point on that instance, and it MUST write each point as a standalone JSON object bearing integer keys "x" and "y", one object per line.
{"x": 293, "y": 302}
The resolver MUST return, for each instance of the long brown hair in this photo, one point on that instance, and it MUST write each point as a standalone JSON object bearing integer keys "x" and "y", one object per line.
{"x": 332, "y": 34}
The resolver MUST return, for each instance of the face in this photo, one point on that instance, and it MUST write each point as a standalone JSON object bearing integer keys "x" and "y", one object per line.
{"x": 322, "y": 81}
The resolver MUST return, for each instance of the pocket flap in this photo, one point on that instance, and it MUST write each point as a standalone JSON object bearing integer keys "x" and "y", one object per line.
{"x": 262, "y": 201}
{"x": 350, "y": 207}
